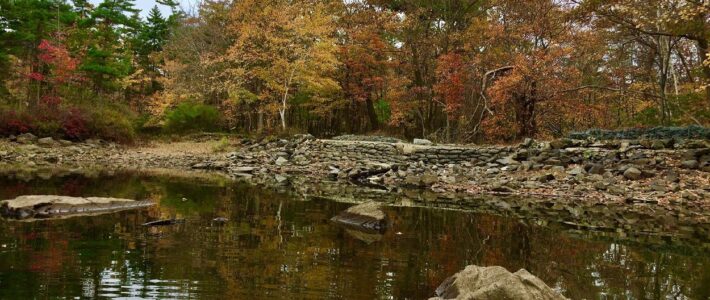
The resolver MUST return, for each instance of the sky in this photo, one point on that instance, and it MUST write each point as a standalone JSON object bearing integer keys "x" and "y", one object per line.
{"x": 146, "y": 5}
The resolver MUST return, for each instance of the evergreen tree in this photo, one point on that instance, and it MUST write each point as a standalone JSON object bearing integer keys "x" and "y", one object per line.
{"x": 108, "y": 58}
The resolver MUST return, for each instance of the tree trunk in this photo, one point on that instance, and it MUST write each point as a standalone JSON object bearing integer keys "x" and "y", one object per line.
{"x": 284, "y": 100}
{"x": 526, "y": 117}
{"x": 703, "y": 52}
{"x": 372, "y": 115}
{"x": 260, "y": 121}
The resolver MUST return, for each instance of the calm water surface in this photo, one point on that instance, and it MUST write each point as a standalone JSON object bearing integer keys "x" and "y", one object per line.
{"x": 278, "y": 247}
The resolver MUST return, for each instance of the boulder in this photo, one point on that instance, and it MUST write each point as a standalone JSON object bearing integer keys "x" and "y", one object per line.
{"x": 494, "y": 282}
{"x": 368, "y": 216}
{"x": 43, "y": 206}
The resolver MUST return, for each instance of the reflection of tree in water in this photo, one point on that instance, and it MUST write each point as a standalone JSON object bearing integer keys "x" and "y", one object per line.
{"x": 275, "y": 246}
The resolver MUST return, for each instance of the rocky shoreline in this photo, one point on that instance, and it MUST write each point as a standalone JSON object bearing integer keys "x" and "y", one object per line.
{"x": 655, "y": 187}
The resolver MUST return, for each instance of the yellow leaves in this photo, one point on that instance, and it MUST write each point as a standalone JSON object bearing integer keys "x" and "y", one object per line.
{"x": 138, "y": 77}
{"x": 282, "y": 46}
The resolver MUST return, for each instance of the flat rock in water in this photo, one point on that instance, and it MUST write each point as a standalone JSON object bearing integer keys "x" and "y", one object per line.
{"x": 367, "y": 216}
{"x": 165, "y": 222}
{"x": 494, "y": 282}
{"x": 46, "y": 206}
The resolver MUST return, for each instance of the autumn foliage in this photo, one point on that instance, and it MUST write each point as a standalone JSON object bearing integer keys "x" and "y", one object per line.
{"x": 449, "y": 70}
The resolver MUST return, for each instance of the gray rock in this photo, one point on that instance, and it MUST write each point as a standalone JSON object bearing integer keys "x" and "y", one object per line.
{"x": 26, "y": 138}
{"x": 561, "y": 143}
{"x": 576, "y": 171}
{"x": 242, "y": 175}
{"x": 527, "y": 142}
{"x": 658, "y": 145}
{"x": 422, "y": 142}
{"x": 47, "y": 141}
{"x": 243, "y": 169}
{"x": 280, "y": 179}
{"x": 200, "y": 166}
{"x": 281, "y": 161}
{"x": 624, "y": 147}
{"x": 502, "y": 189}
{"x": 690, "y": 164}
{"x": 558, "y": 169}
{"x": 545, "y": 178}
{"x": 492, "y": 171}
{"x": 424, "y": 180}
{"x": 595, "y": 169}
{"x": 632, "y": 173}
{"x": 688, "y": 195}
{"x": 429, "y": 179}
{"x": 368, "y": 215}
{"x": 494, "y": 282}
{"x": 508, "y": 161}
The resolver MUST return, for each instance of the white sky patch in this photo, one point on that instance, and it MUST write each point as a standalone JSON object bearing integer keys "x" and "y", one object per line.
{"x": 146, "y": 5}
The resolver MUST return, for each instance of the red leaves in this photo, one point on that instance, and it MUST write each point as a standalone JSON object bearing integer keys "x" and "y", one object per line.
{"x": 62, "y": 69}
{"x": 57, "y": 57}
{"x": 450, "y": 86}
{"x": 14, "y": 123}
{"x": 71, "y": 123}
{"x": 75, "y": 124}
{"x": 36, "y": 76}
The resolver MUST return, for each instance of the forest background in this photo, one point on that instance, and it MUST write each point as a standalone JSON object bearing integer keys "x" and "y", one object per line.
{"x": 448, "y": 70}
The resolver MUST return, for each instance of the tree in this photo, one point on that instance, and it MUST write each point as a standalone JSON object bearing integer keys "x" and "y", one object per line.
{"x": 283, "y": 47}
{"x": 368, "y": 58}
{"x": 62, "y": 71}
{"x": 108, "y": 56}
{"x": 660, "y": 29}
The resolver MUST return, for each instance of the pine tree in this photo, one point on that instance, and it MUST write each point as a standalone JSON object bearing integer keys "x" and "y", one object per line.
{"x": 108, "y": 58}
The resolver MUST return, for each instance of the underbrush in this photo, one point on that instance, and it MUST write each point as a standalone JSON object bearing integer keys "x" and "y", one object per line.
{"x": 192, "y": 117}
{"x": 70, "y": 122}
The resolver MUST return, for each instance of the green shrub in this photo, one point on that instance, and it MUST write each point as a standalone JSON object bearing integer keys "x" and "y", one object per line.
{"x": 221, "y": 146}
{"x": 192, "y": 117}
{"x": 48, "y": 127}
{"x": 112, "y": 124}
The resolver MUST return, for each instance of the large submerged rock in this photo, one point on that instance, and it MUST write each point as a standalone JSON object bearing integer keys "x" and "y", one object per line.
{"x": 494, "y": 282}
{"x": 368, "y": 216}
{"x": 43, "y": 206}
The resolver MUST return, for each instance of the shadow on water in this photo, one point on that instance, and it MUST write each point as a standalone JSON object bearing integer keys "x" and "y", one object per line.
{"x": 276, "y": 246}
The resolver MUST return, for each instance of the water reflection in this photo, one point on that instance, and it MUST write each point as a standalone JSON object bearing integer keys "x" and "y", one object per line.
{"x": 277, "y": 246}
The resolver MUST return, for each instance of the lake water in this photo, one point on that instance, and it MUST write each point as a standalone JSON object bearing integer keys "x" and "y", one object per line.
{"x": 276, "y": 246}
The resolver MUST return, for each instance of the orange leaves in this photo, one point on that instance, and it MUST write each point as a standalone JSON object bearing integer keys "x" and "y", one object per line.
{"x": 450, "y": 86}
